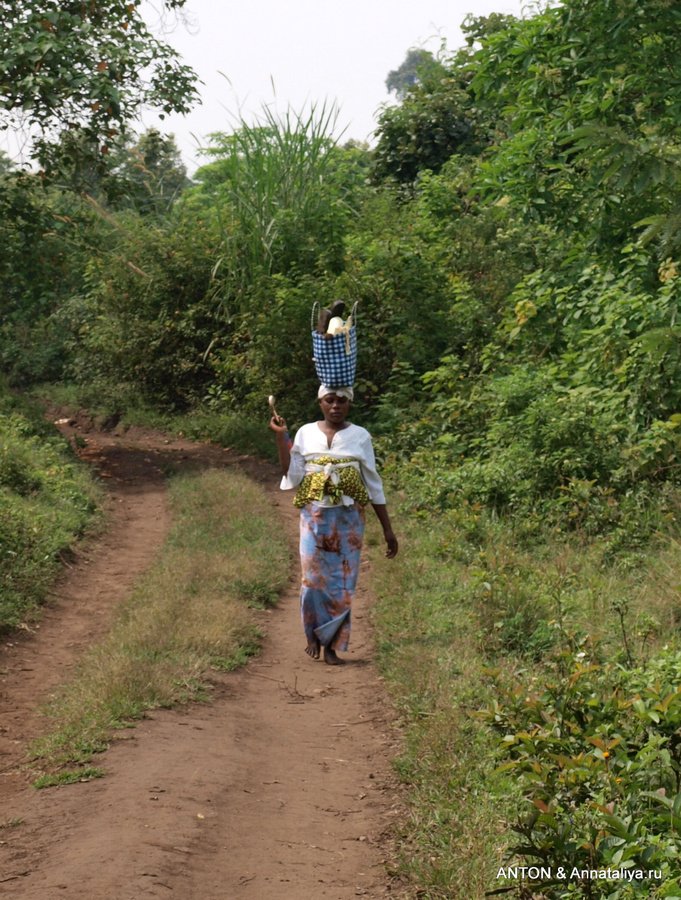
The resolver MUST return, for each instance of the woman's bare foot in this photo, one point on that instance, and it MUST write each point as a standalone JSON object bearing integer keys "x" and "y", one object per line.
{"x": 331, "y": 659}
{"x": 312, "y": 648}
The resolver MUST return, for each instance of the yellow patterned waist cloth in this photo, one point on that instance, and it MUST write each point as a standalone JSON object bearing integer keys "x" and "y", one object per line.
{"x": 332, "y": 478}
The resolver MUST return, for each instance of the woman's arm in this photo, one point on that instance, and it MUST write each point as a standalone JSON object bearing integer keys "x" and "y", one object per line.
{"x": 278, "y": 426}
{"x": 382, "y": 512}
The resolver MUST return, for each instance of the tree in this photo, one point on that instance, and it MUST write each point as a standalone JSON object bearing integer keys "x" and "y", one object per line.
{"x": 434, "y": 123}
{"x": 592, "y": 95}
{"x": 409, "y": 73}
{"x": 439, "y": 117}
{"x": 86, "y": 66}
{"x": 152, "y": 174}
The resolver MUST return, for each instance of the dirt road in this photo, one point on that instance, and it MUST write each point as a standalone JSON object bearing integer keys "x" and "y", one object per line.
{"x": 278, "y": 788}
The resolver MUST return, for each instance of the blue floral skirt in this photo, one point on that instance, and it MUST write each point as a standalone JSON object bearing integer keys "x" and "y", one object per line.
{"x": 330, "y": 545}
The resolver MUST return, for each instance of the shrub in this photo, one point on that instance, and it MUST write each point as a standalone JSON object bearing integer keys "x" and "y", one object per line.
{"x": 46, "y": 501}
{"x": 595, "y": 748}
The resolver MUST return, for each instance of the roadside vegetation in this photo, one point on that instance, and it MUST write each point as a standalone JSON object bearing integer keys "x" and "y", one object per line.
{"x": 537, "y": 695}
{"x": 189, "y": 615}
{"x": 47, "y": 502}
{"x": 513, "y": 241}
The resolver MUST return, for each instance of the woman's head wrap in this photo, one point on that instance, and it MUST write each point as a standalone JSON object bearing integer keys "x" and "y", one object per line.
{"x": 339, "y": 391}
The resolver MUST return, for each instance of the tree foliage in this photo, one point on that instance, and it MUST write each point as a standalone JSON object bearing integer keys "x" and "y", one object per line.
{"x": 141, "y": 325}
{"x": 439, "y": 116}
{"x": 592, "y": 93}
{"x": 46, "y": 239}
{"x": 50, "y": 236}
{"x": 410, "y": 71}
{"x": 85, "y": 65}
{"x": 153, "y": 174}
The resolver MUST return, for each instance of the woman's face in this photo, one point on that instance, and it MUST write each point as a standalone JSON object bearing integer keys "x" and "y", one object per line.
{"x": 334, "y": 408}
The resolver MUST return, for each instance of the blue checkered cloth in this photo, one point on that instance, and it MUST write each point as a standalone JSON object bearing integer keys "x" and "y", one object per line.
{"x": 335, "y": 366}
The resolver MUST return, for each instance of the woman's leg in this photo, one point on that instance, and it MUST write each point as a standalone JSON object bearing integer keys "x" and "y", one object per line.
{"x": 309, "y": 575}
{"x": 330, "y": 544}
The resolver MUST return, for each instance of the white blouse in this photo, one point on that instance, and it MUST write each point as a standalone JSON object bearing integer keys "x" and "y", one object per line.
{"x": 354, "y": 441}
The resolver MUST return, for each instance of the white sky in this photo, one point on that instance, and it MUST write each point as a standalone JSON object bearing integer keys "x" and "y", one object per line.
{"x": 295, "y": 52}
{"x": 311, "y": 50}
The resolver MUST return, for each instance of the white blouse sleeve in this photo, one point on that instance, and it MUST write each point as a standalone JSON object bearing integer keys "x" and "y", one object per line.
{"x": 372, "y": 480}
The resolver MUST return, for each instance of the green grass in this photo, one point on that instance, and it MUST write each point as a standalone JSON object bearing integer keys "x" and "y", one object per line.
{"x": 47, "y": 501}
{"x": 67, "y": 777}
{"x": 428, "y": 651}
{"x": 186, "y": 616}
{"x": 463, "y": 597}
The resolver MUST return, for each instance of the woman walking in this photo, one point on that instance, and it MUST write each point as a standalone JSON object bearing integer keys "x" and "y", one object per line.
{"x": 333, "y": 466}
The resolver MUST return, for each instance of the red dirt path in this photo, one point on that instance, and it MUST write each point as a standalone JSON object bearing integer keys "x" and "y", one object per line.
{"x": 280, "y": 787}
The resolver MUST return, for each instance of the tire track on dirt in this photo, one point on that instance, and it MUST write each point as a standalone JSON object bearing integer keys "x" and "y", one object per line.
{"x": 101, "y": 573}
{"x": 280, "y": 787}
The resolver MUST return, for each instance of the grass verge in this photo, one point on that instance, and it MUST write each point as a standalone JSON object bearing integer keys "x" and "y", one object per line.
{"x": 461, "y": 604}
{"x": 47, "y": 501}
{"x": 429, "y": 654}
{"x": 188, "y": 614}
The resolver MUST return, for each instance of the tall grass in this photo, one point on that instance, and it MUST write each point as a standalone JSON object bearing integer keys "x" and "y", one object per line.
{"x": 188, "y": 614}
{"x": 268, "y": 173}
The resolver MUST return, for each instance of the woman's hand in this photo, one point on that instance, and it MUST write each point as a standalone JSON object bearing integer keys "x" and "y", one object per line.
{"x": 278, "y": 425}
{"x": 382, "y": 512}
{"x": 391, "y": 541}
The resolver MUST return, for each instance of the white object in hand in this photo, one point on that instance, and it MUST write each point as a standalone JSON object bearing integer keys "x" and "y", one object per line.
{"x": 277, "y": 418}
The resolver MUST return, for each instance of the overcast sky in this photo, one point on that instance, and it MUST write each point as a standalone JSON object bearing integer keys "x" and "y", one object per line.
{"x": 305, "y": 51}
{"x": 253, "y": 52}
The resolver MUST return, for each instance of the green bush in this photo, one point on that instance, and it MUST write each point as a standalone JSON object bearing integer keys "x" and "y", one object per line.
{"x": 143, "y": 328}
{"x": 46, "y": 501}
{"x": 595, "y": 748}
{"x": 46, "y": 238}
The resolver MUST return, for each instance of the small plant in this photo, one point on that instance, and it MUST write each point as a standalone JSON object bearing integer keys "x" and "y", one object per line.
{"x": 620, "y": 606}
{"x": 258, "y": 593}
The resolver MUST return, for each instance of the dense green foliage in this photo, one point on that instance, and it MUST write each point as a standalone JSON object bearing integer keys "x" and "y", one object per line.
{"x": 46, "y": 502}
{"x": 439, "y": 115}
{"x": 513, "y": 246}
{"x": 87, "y": 66}
{"x": 39, "y": 268}
{"x": 595, "y": 750}
{"x": 410, "y": 71}
{"x": 574, "y": 667}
